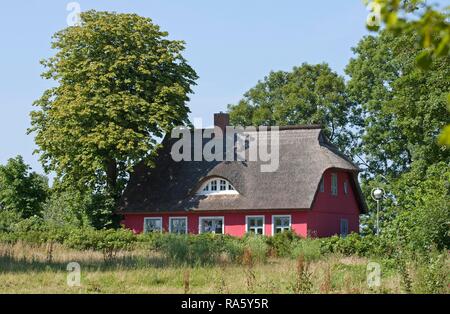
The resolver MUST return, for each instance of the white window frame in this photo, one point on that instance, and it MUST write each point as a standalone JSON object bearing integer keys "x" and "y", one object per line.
{"x": 217, "y": 191}
{"x": 277, "y": 216}
{"x": 334, "y": 187}
{"x": 340, "y": 227}
{"x": 178, "y": 217}
{"x": 256, "y": 216}
{"x": 160, "y": 218}
{"x": 210, "y": 217}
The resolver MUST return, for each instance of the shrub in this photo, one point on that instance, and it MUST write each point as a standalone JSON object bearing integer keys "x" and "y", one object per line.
{"x": 281, "y": 243}
{"x": 432, "y": 273}
{"x": 107, "y": 241}
{"x": 309, "y": 248}
{"x": 354, "y": 243}
{"x": 111, "y": 241}
{"x": 8, "y": 218}
{"x": 257, "y": 246}
{"x": 234, "y": 248}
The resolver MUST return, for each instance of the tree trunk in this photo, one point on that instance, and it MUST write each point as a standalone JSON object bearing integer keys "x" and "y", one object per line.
{"x": 111, "y": 179}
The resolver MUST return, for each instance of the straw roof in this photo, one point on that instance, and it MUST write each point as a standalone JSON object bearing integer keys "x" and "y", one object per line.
{"x": 304, "y": 155}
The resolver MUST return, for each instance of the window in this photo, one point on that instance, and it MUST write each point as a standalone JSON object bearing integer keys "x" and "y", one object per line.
{"x": 255, "y": 224}
{"x": 153, "y": 224}
{"x": 178, "y": 225}
{"x": 346, "y": 187}
{"x": 216, "y": 186}
{"x": 344, "y": 227}
{"x": 334, "y": 186}
{"x": 321, "y": 185}
{"x": 211, "y": 225}
{"x": 281, "y": 223}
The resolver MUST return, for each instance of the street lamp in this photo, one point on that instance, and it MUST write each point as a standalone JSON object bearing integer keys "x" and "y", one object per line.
{"x": 377, "y": 194}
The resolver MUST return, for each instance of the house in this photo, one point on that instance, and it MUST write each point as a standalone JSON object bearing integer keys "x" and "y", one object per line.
{"x": 314, "y": 190}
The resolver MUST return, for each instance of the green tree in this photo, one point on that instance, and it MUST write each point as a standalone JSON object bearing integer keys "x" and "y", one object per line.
{"x": 309, "y": 94}
{"x": 421, "y": 217}
{"x": 73, "y": 208}
{"x": 22, "y": 191}
{"x": 121, "y": 85}
{"x": 403, "y": 107}
{"x": 427, "y": 21}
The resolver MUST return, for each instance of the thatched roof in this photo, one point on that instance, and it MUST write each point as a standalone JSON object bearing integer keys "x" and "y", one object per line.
{"x": 304, "y": 155}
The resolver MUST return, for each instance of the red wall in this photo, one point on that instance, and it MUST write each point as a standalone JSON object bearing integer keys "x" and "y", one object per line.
{"x": 327, "y": 210}
{"x": 234, "y": 222}
{"x": 322, "y": 220}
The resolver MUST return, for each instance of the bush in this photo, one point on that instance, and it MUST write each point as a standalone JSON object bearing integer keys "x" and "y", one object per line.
{"x": 309, "y": 248}
{"x": 107, "y": 241}
{"x": 8, "y": 218}
{"x": 355, "y": 244}
{"x": 432, "y": 273}
{"x": 281, "y": 243}
{"x": 191, "y": 249}
{"x": 257, "y": 246}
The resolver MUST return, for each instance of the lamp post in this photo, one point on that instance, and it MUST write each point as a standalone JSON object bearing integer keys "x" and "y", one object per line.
{"x": 377, "y": 194}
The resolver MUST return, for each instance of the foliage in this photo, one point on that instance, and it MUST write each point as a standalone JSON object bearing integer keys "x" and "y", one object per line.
{"x": 121, "y": 84}
{"x": 8, "y": 218}
{"x": 354, "y": 244}
{"x": 21, "y": 191}
{"x": 402, "y": 107}
{"x": 107, "y": 241}
{"x": 309, "y": 94}
{"x": 72, "y": 208}
{"x": 422, "y": 215}
{"x": 432, "y": 273}
{"x": 433, "y": 31}
{"x": 281, "y": 243}
{"x": 303, "y": 283}
{"x": 432, "y": 25}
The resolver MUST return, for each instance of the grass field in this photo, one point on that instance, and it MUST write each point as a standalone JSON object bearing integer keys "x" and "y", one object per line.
{"x": 26, "y": 269}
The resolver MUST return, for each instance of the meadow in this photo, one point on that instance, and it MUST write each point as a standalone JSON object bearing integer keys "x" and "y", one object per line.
{"x": 38, "y": 268}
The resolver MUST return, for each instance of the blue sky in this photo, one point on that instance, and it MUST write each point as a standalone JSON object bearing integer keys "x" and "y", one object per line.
{"x": 231, "y": 44}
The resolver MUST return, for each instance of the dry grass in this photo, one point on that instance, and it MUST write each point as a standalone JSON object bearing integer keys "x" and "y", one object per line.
{"x": 26, "y": 269}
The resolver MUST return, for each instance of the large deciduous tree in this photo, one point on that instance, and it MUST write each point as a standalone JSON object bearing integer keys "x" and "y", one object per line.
{"x": 309, "y": 94}
{"x": 403, "y": 107}
{"x": 120, "y": 85}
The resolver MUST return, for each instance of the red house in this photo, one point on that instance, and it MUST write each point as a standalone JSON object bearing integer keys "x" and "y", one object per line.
{"x": 314, "y": 191}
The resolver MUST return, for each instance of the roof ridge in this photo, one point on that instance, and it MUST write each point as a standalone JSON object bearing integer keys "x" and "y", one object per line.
{"x": 281, "y": 128}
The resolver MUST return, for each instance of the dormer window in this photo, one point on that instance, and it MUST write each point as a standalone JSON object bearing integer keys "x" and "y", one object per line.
{"x": 217, "y": 186}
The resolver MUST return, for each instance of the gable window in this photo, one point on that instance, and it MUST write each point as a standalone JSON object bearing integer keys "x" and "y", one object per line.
{"x": 255, "y": 224}
{"x": 322, "y": 185}
{"x": 344, "y": 227}
{"x": 281, "y": 223}
{"x": 345, "y": 187}
{"x": 334, "y": 185}
{"x": 214, "y": 185}
{"x": 217, "y": 186}
{"x": 178, "y": 225}
{"x": 211, "y": 225}
{"x": 153, "y": 224}
{"x": 223, "y": 185}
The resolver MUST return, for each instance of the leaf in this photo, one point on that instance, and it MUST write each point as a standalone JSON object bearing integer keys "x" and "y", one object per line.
{"x": 424, "y": 60}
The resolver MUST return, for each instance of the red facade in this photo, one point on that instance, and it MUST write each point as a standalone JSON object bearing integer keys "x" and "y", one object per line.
{"x": 330, "y": 214}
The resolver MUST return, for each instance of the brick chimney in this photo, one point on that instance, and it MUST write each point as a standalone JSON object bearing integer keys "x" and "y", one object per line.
{"x": 221, "y": 120}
